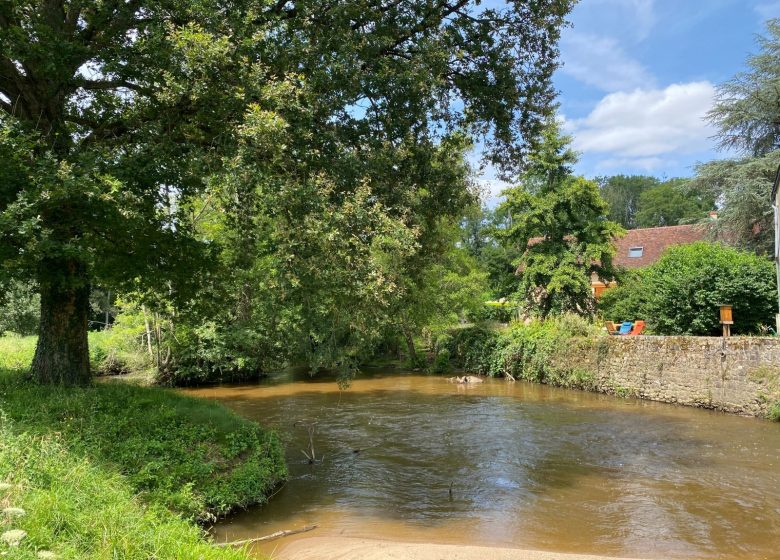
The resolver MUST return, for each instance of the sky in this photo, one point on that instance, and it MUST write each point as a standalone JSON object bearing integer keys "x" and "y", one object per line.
{"x": 638, "y": 77}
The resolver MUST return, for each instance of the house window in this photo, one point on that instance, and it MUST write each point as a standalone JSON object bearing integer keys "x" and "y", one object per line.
{"x": 635, "y": 252}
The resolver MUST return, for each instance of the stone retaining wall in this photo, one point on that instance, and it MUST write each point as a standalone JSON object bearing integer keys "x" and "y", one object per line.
{"x": 738, "y": 374}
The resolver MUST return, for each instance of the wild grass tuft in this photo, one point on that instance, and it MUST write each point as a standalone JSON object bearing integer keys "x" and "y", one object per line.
{"x": 81, "y": 510}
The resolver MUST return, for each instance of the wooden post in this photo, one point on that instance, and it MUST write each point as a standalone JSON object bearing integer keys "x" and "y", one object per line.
{"x": 726, "y": 319}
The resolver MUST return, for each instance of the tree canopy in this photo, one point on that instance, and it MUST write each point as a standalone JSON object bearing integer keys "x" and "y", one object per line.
{"x": 560, "y": 222}
{"x": 125, "y": 127}
{"x": 673, "y": 202}
{"x": 643, "y": 201}
{"x": 746, "y": 111}
{"x": 622, "y": 193}
{"x": 747, "y": 118}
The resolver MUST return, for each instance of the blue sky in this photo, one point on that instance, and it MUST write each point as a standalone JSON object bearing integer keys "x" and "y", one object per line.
{"x": 639, "y": 75}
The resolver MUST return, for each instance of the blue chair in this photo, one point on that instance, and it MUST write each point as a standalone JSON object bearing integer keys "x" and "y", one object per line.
{"x": 626, "y": 327}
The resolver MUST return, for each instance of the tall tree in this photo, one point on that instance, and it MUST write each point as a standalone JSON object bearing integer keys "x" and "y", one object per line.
{"x": 744, "y": 187}
{"x": 481, "y": 237}
{"x": 561, "y": 222}
{"x": 747, "y": 117}
{"x": 622, "y": 193}
{"x": 747, "y": 107}
{"x": 673, "y": 202}
{"x": 116, "y": 116}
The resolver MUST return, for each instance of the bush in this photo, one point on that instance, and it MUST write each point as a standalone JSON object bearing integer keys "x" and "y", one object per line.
{"x": 627, "y": 301}
{"x": 537, "y": 351}
{"x": 682, "y": 292}
{"x": 20, "y": 309}
{"x": 497, "y": 311}
{"x": 211, "y": 353}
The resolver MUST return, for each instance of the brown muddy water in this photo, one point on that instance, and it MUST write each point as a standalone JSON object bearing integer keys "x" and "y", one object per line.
{"x": 515, "y": 465}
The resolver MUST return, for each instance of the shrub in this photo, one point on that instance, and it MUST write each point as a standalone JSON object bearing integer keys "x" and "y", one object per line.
{"x": 20, "y": 309}
{"x": 211, "y": 353}
{"x": 627, "y": 301}
{"x": 539, "y": 350}
{"x": 441, "y": 361}
{"x": 682, "y": 292}
{"x": 497, "y": 311}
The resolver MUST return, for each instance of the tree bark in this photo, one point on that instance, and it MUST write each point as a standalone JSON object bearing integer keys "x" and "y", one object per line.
{"x": 62, "y": 354}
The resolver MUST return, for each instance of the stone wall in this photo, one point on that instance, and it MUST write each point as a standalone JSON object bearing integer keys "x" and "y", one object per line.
{"x": 737, "y": 374}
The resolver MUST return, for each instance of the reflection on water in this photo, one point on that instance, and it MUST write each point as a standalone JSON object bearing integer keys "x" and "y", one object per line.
{"x": 515, "y": 464}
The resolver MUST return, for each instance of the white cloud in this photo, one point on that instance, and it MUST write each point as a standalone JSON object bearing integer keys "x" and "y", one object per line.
{"x": 648, "y": 164}
{"x": 642, "y": 15}
{"x": 768, "y": 10}
{"x": 601, "y": 62}
{"x": 645, "y": 126}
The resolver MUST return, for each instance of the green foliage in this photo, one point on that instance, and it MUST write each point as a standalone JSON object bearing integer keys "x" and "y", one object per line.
{"x": 495, "y": 311}
{"x": 191, "y": 456}
{"x": 299, "y": 125}
{"x": 747, "y": 107}
{"x": 628, "y": 300}
{"x": 441, "y": 361}
{"x": 561, "y": 222}
{"x": 671, "y": 203}
{"x": 85, "y": 510}
{"x": 642, "y": 201}
{"x": 536, "y": 351}
{"x": 682, "y": 292}
{"x": 212, "y": 353}
{"x": 774, "y": 412}
{"x": 747, "y": 116}
{"x": 744, "y": 186}
{"x": 480, "y": 237}
{"x": 622, "y": 194}
{"x": 20, "y": 309}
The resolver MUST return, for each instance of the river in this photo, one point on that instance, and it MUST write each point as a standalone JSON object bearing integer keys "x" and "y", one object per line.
{"x": 412, "y": 457}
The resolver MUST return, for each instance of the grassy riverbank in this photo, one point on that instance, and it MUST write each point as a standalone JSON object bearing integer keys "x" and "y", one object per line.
{"x": 118, "y": 470}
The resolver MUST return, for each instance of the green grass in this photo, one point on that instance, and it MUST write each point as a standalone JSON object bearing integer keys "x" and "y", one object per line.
{"x": 117, "y": 470}
{"x": 193, "y": 456}
{"x": 16, "y": 353}
{"x": 110, "y": 352}
{"x": 84, "y": 511}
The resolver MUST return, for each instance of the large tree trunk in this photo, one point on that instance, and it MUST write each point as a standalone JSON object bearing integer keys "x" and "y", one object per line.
{"x": 62, "y": 353}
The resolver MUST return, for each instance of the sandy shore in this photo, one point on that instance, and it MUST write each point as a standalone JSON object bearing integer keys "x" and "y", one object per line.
{"x": 346, "y": 548}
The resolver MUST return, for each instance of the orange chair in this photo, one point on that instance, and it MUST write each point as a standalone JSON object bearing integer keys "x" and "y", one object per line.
{"x": 610, "y": 326}
{"x": 639, "y": 326}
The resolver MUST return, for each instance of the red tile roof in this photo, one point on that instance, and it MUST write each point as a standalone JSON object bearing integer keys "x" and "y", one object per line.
{"x": 654, "y": 241}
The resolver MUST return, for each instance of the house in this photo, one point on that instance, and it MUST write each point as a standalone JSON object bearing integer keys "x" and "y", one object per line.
{"x": 642, "y": 247}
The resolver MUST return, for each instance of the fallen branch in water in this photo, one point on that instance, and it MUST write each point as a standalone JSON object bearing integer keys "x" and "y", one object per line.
{"x": 272, "y": 536}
